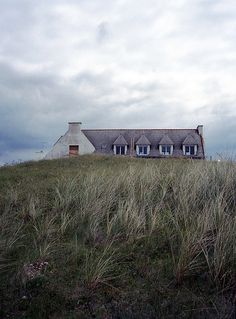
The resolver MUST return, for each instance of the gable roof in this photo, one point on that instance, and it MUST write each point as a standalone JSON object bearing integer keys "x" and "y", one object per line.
{"x": 120, "y": 140}
{"x": 166, "y": 140}
{"x": 143, "y": 140}
{"x": 103, "y": 139}
{"x": 190, "y": 140}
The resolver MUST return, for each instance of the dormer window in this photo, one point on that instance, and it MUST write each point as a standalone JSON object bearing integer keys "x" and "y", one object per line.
{"x": 190, "y": 149}
{"x": 120, "y": 149}
{"x": 166, "y": 145}
{"x": 143, "y": 146}
{"x": 190, "y": 146}
{"x": 143, "y": 150}
{"x": 120, "y": 146}
{"x": 166, "y": 149}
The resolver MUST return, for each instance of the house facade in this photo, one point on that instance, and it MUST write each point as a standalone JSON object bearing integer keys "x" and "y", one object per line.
{"x": 155, "y": 143}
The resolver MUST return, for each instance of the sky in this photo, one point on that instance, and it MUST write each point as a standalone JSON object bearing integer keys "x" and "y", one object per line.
{"x": 115, "y": 64}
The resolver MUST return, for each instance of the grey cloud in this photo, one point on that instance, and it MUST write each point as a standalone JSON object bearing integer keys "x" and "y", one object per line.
{"x": 102, "y": 32}
{"x": 114, "y": 64}
{"x": 35, "y": 107}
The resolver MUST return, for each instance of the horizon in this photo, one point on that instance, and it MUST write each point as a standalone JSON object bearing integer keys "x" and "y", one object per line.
{"x": 147, "y": 65}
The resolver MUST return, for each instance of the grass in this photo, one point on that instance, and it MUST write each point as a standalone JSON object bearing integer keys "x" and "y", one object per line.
{"x": 103, "y": 237}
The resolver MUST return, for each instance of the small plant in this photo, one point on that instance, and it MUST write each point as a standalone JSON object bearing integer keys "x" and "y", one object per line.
{"x": 35, "y": 269}
{"x": 101, "y": 267}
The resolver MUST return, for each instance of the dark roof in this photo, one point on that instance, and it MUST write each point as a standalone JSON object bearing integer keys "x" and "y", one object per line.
{"x": 103, "y": 139}
{"x": 190, "y": 140}
{"x": 166, "y": 140}
{"x": 143, "y": 140}
{"x": 120, "y": 141}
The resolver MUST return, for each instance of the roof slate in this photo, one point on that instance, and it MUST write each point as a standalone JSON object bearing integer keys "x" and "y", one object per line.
{"x": 120, "y": 141}
{"x": 103, "y": 139}
{"x": 190, "y": 140}
{"x": 166, "y": 140}
{"x": 143, "y": 140}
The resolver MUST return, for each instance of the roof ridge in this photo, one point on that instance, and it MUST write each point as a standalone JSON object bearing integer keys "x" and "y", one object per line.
{"x": 137, "y": 129}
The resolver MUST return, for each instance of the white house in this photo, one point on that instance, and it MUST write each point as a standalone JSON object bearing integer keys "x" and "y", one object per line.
{"x": 156, "y": 143}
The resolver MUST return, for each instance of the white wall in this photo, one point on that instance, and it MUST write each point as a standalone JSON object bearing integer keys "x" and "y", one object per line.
{"x": 74, "y": 136}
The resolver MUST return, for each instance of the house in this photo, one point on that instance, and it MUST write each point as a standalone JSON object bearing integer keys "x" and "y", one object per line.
{"x": 155, "y": 143}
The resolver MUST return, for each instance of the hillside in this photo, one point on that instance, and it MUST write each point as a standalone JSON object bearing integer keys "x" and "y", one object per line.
{"x": 100, "y": 237}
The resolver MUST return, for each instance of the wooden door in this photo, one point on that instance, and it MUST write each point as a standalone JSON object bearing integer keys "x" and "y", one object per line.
{"x": 73, "y": 150}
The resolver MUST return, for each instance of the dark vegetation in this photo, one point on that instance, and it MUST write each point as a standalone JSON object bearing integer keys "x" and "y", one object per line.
{"x": 100, "y": 237}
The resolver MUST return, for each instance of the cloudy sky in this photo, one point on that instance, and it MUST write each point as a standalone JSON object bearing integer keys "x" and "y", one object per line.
{"x": 120, "y": 63}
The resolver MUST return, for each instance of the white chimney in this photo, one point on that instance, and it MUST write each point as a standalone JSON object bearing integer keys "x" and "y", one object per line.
{"x": 200, "y": 130}
{"x": 74, "y": 127}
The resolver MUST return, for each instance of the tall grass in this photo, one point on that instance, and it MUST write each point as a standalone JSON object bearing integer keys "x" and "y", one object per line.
{"x": 186, "y": 207}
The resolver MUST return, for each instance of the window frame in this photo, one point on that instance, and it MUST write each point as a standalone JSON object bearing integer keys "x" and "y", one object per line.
{"x": 166, "y": 146}
{"x": 192, "y": 150}
{"x": 143, "y": 150}
{"x": 120, "y": 148}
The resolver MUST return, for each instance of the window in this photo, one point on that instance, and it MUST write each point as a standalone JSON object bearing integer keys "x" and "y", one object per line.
{"x": 120, "y": 150}
{"x": 190, "y": 149}
{"x": 143, "y": 150}
{"x": 166, "y": 149}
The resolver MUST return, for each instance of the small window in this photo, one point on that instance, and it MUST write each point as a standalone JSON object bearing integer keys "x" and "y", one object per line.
{"x": 142, "y": 150}
{"x": 166, "y": 149}
{"x": 120, "y": 150}
{"x": 189, "y": 150}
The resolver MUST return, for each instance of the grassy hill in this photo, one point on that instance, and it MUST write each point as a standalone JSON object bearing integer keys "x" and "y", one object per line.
{"x": 100, "y": 237}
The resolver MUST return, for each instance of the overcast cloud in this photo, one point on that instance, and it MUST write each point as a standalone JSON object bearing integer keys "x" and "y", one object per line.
{"x": 121, "y": 63}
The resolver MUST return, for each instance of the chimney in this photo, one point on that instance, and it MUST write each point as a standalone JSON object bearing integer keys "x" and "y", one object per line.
{"x": 200, "y": 130}
{"x": 74, "y": 127}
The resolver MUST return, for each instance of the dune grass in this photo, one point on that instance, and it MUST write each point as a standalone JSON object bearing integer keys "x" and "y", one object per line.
{"x": 102, "y": 237}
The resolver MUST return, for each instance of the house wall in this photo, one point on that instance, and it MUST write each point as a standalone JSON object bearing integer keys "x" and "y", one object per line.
{"x": 74, "y": 136}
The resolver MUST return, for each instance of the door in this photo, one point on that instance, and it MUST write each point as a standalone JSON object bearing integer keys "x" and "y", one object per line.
{"x": 73, "y": 150}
